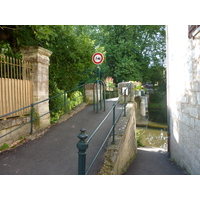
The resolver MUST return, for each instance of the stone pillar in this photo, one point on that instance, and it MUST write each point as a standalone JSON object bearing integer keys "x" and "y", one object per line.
{"x": 143, "y": 107}
{"x": 121, "y": 87}
{"x": 39, "y": 57}
{"x": 89, "y": 92}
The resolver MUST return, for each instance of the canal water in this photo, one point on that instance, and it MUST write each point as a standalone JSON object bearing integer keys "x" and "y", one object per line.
{"x": 153, "y": 125}
{"x": 154, "y": 136}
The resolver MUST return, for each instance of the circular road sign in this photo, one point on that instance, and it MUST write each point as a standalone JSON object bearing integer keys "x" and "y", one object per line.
{"x": 97, "y": 58}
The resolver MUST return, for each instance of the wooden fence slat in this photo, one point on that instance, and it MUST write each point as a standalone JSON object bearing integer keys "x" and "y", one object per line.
{"x": 15, "y": 86}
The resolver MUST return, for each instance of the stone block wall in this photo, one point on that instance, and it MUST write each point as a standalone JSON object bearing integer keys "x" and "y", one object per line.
{"x": 119, "y": 155}
{"x": 12, "y": 124}
{"x": 183, "y": 89}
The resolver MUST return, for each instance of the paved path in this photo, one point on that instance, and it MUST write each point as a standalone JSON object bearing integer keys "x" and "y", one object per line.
{"x": 56, "y": 153}
{"x": 153, "y": 161}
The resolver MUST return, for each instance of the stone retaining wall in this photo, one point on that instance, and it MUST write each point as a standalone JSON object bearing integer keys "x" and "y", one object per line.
{"x": 11, "y": 124}
{"x": 119, "y": 155}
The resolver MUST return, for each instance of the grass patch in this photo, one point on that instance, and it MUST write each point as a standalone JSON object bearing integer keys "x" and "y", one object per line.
{"x": 139, "y": 133}
{"x": 4, "y": 146}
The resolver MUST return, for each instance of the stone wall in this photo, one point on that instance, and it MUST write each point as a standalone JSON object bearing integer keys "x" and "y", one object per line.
{"x": 11, "y": 124}
{"x": 89, "y": 92}
{"x": 183, "y": 99}
{"x": 119, "y": 155}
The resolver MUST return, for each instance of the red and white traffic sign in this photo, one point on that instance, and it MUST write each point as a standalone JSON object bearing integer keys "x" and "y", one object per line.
{"x": 97, "y": 58}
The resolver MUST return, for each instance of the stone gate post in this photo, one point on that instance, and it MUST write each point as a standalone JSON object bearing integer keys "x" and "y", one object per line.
{"x": 39, "y": 57}
{"x": 122, "y": 86}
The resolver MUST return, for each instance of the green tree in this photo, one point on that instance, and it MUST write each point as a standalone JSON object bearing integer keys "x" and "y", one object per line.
{"x": 131, "y": 51}
{"x": 72, "y": 50}
{"x": 70, "y": 62}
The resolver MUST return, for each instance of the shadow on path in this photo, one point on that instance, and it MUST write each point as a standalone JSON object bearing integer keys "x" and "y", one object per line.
{"x": 153, "y": 161}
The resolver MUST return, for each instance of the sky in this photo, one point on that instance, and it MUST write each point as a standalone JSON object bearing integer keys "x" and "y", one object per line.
{"x": 104, "y": 12}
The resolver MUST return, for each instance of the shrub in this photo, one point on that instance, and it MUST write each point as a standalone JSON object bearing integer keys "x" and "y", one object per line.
{"x": 138, "y": 137}
{"x": 56, "y": 102}
{"x": 75, "y": 99}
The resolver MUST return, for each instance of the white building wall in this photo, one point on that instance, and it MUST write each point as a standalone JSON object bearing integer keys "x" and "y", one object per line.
{"x": 183, "y": 96}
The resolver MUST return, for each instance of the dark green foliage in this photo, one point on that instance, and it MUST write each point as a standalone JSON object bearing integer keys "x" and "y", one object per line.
{"x": 70, "y": 62}
{"x": 158, "y": 106}
{"x": 72, "y": 51}
{"x": 133, "y": 52}
{"x": 139, "y": 133}
{"x": 58, "y": 102}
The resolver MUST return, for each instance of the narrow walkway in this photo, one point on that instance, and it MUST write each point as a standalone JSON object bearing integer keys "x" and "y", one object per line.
{"x": 56, "y": 153}
{"x": 153, "y": 161}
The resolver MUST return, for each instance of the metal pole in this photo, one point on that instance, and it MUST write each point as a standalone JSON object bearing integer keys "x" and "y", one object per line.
{"x": 131, "y": 92}
{"x": 84, "y": 95}
{"x": 65, "y": 109}
{"x": 82, "y": 145}
{"x": 98, "y": 85}
{"x": 94, "y": 96}
{"x": 98, "y": 72}
{"x": 32, "y": 116}
{"x": 100, "y": 82}
{"x": 125, "y": 103}
{"x": 97, "y": 99}
{"x": 104, "y": 97}
{"x": 113, "y": 134}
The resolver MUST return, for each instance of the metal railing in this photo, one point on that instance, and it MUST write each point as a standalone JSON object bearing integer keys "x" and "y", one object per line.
{"x": 83, "y": 143}
{"x": 32, "y": 114}
{"x": 111, "y": 91}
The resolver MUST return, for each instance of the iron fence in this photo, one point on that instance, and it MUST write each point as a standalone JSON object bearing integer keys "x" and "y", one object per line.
{"x": 111, "y": 91}
{"x": 84, "y": 141}
{"x": 15, "y": 86}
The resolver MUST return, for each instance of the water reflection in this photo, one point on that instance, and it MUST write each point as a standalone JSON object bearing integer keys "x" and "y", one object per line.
{"x": 154, "y": 138}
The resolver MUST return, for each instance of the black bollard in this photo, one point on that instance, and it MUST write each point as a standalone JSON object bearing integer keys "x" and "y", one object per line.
{"x": 82, "y": 145}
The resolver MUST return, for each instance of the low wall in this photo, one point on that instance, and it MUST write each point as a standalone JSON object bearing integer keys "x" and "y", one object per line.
{"x": 89, "y": 93}
{"x": 119, "y": 155}
{"x": 11, "y": 124}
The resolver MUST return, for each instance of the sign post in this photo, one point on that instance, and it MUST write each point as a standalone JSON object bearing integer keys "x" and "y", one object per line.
{"x": 97, "y": 59}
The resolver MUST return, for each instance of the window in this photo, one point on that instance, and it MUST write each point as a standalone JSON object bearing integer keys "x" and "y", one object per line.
{"x": 193, "y": 30}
